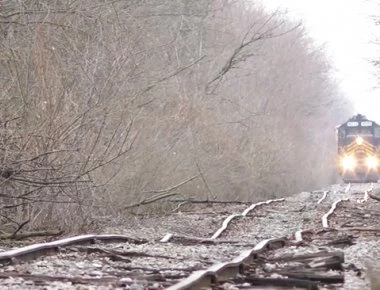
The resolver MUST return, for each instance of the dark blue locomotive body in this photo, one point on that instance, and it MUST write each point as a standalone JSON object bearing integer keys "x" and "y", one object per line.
{"x": 359, "y": 150}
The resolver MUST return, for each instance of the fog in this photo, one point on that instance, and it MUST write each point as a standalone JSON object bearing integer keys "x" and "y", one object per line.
{"x": 347, "y": 32}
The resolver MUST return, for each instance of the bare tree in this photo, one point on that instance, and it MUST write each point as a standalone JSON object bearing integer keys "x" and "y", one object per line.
{"x": 109, "y": 104}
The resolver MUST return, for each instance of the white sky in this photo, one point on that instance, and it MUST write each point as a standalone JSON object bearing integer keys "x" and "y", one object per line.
{"x": 347, "y": 31}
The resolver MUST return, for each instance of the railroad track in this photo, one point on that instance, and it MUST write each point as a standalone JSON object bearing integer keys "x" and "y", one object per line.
{"x": 306, "y": 241}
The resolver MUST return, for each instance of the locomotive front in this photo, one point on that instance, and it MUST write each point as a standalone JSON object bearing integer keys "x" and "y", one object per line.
{"x": 358, "y": 150}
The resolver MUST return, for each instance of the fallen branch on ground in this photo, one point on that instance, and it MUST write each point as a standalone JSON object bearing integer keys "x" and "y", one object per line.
{"x": 210, "y": 201}
{"x": 172, "y": 187}
{"x": 360, "y": 229}
{"x": 150, "y": 200}
{"x": 188, "y": 240}
{"x": 76, "y": 280}
{"x": 161, "y": 194}
{"x": 116, "y": 253}
{"x": 15, "y": 236}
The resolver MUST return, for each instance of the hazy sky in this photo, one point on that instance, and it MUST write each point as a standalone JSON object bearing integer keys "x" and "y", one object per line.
{"x": 347, "y": 31}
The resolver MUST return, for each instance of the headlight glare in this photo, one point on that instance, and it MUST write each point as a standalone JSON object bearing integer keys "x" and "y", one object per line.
{"x": 348, "y": 162}
{"x": 359, "y": 140}
{"x": 372, "y": 162}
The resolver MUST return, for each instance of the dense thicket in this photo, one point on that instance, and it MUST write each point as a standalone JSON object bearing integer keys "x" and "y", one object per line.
{"x": 105, "y": 103}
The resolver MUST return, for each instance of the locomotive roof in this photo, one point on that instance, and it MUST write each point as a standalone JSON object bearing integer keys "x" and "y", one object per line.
{"x": 357, "y": 118}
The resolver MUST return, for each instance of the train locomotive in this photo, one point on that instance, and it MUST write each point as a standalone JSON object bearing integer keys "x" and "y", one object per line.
{"x": 359, "y": 150}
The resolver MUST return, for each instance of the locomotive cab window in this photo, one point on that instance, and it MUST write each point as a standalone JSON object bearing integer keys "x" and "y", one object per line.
{"x": 352, "y": 131}
{"x": 367, "y": 131}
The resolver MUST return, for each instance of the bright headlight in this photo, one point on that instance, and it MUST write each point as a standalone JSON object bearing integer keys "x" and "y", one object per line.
{"x": 348, "y": 162}
{"x": 359, "y": 140}
{"x": 372, "y": 162}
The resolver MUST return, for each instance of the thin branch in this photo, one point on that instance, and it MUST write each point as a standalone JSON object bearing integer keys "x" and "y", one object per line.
{"x": 173, "y": 74}
{"x": 20, "y": 226}
{"x": 161, "y": 194}
{"x": 107, "y": 161}
{"x": 190, "y": 200}
{"x": 47, "y": 182}
{"x": 204, "y": 180}
{"x": 30, "y": 235}
{"x": 148, "y": 201}
{"x": 237, "y": 55}
{"x": 45, "y": 154}
{"x": 173, "y": 187}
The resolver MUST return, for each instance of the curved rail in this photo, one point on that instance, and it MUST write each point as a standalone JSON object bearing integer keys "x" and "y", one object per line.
{"x": 298, "y": 235}
{"x": 209, "y": 276}
{"x": 198, "y": 279}
{"x": 243, "y": 214}
{"x": 323, "y": 196}
{"x": 325, "y": 217}
{"x": 36, "y": 250}
{"x": 221, "y": 271}
{"x": 225, "y": 225}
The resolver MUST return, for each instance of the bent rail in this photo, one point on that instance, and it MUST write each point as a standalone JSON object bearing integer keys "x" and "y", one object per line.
{"x": 206, "y": 277}
{"x": 36, "y": 250}
{"x": 243, "y": 214}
